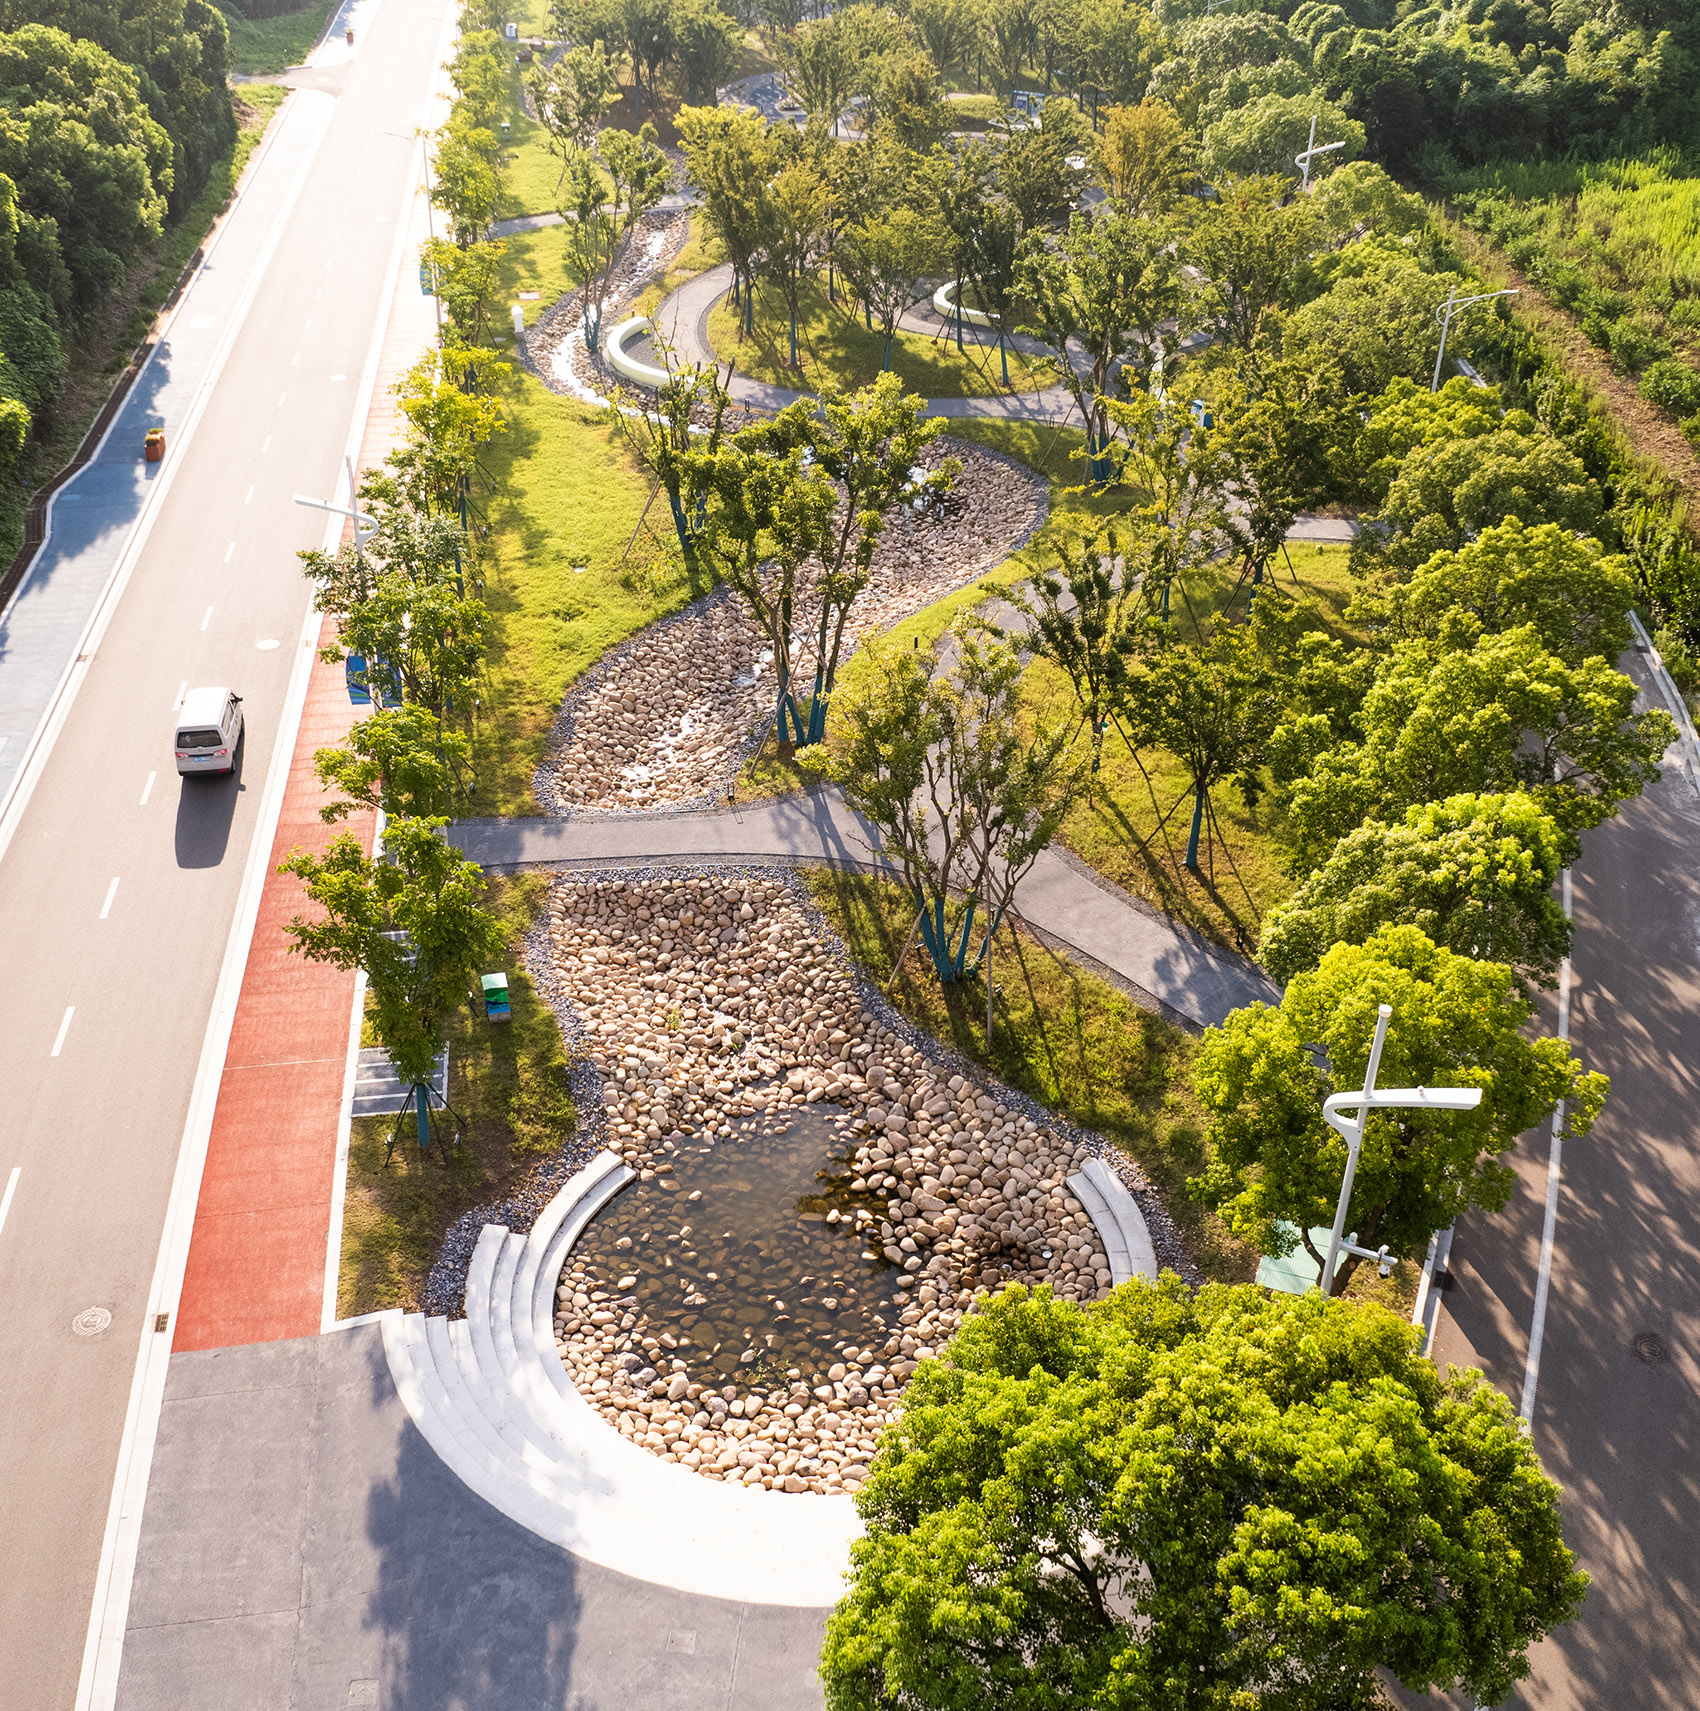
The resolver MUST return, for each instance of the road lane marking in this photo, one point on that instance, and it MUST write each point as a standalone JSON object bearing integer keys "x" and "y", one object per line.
{"x": 147, "y": 790}
{"x": 206, "y": 618}
{"x": 230, "y": 552}
{"x": 11, "y": 1189}
{"x": 64, "y": 1029}
{"x": 111, "y": 892}
{"x": 267, "y": 446}
{"x": 182, "y": 692}
{"x": 1549, "y": 1220}
{"x": 266, "y": 644}
{"x": 249, "y": 494}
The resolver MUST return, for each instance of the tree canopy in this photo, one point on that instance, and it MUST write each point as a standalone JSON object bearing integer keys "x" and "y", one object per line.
{"x": 1193, "y": 1503}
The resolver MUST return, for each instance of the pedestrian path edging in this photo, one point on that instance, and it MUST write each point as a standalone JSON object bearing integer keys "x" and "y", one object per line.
{"x": 1119, "y": 1222}
{"x": 491, "y": 1397}
{"x": 634, "y": 326}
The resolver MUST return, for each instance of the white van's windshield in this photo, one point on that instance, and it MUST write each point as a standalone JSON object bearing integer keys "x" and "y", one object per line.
{"x": 197, "y": 739}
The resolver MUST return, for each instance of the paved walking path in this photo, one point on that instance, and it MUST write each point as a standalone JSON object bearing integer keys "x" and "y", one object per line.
{"x": 1183, "y": 972}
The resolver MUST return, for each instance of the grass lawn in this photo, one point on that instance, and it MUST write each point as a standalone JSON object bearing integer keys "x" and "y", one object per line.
{"x": 97, "y": 351}
{"x": 507, "y": 1082}
{"x": 262, "y": 47}
{"x": 835, "y": 348}
{"x": 563, "y": 497}
{"x": 1081, "y": 1047}
{"x": 530, "y": 173}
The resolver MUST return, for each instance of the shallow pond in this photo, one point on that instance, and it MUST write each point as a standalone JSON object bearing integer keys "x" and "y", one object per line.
{"x": 733, "y": 1252}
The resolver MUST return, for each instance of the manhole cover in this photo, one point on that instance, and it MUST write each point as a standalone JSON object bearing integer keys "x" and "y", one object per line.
{"x": 1650, "y": 1349}
{"x": 91, "y": 1321}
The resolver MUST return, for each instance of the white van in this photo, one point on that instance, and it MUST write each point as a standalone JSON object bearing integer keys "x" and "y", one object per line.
{"x": 209, "y": 726}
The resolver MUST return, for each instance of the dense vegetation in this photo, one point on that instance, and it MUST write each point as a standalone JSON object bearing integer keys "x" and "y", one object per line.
{"x": 111, "y": 119}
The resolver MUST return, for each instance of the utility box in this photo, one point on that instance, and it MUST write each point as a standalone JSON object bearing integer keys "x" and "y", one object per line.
{"x": 511, "y": 31}
{"x": 496, "y": 1007}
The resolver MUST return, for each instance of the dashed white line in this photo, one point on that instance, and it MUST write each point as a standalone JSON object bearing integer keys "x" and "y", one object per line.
{"x": 267, "y": 446}
{"x": 147, "y": 790}
{"x": 280, "y": 398}
{"x": 249, "y": 494}
{"x": 230, "y": 552}
{"x": 11, "y": 1189}
{"x": 111, "y": 892}
{"x": 182, "y": 690}
{"x": 206, "y": 618}
{"x": 64, "y": 1029}
{"x": 1549, "y": 1221}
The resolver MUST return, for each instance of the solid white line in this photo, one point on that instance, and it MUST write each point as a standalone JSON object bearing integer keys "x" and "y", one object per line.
{"x": 147, "y": 790}
{"x": 11, "y": 1189}
{"x": 1549, "y": 1223}
{"x": 106, "y": 907}
{"x": 103, "y": 1652}
{"x": 1672, "y": 697}
{"x": 64, "y": 1029}
{"x": 206, "y": 618}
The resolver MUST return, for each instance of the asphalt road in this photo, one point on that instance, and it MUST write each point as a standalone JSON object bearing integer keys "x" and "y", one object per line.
{"x": 1616, "y": 1418}
{"x": 108, "y": 991}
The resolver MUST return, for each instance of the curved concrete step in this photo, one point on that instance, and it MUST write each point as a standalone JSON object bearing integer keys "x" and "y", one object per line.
{"x": 489, "y": 1394}
{"x": 1119, "y": 1222}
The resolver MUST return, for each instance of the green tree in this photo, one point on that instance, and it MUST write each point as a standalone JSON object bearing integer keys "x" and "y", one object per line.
{"x": 992, "y": 258}
{"x": 466, "y": 183}
{"x": 468, "y": 279}
{"x": 401, "y": 760}
{"x": 1264, "y": 136}
{"x": 608, "y": 193}
{"x": 78, "y": 143}
{"x": 966, "y": 785}
{"x": 1213, "y": 708}
{"x": 794, "y": 224}
{"x": 1407, "y": 415}
{"x": 572, "y": 95}
{"x": 1457, "y": 1022}
{"x": 1042, "y": 167}
{"x": 730, "y": 157}
{"x": 1108, "y": 283}
{"x": 885, "y": 256}
{"x": 445, "y": 400}
{"x": 946, "y": 29}
{"x": 870, "y": 444}
{"x": 671, "y": 431}
{"x": 821, "y": 69}
{"x": 767, "y": 510}
{"x": 1450, "y": 489}
{"x": 1247, "y": 247}
{"x": 426, "y": 892}
{"x": 1144, "y": 158}
{"x": 706, "y": 45}
{"x": 1474, "y": 873}
{"x": 1087, "y": 614}
{"x": 1576, "y": 597}
{"x": 1195, "y": 1503}
{"x": 1502, "y": 715}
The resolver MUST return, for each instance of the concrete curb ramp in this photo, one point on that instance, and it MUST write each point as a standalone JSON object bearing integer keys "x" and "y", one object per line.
{"x": 490, "y": 1396}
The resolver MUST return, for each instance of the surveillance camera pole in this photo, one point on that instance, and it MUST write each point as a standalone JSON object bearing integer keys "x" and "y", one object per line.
{"x": 1443, "y": 318}
{"x": 1352, "y": 1130}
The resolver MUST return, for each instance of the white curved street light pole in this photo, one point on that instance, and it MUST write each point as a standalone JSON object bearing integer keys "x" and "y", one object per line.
{"x": 364, "y": 524}
{"x": 1352, "y": 1129}
{"x": 1443, "y": 318}
{"x": 1310, "y": 151}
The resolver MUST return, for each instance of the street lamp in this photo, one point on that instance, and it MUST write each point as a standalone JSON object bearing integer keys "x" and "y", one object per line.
{"x": 1310, "y": 151}
{"x": 1368, "y": 1099}
{"x": 365, "y": 525}
{"x": 1443, "y": 319}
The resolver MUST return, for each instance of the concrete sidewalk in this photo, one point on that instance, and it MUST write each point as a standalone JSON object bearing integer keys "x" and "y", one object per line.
{"x": 304, "y": 1546}
{"x": 1165, "y": 962}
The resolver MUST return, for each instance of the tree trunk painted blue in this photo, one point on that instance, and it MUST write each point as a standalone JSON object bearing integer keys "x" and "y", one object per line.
{"x": 950, "y": 961}
{"x": 868, "y": 313}
{"x": 1197, "y": 826}
{"x": 885, "y": 361}
{"x": 592, "y": 329}
{"x": 420, "y": 1094}
{"x": 1003, "y": 357}
{"x": 958, "y": 305}
{"x": 793, "y": 340}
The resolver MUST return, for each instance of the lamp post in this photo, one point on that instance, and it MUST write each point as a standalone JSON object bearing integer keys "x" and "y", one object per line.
{"x": 1309, "y": 152}
{"x": 364, "y": 523}
{"x": 1443, "y": 319}
{"x": 1365, "y": 1100}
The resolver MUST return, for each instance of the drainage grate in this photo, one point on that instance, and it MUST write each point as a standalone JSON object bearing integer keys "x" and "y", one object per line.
{"x": 1648, "y": 1348}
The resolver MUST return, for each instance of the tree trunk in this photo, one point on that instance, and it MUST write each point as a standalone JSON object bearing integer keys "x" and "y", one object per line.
{"x": 1197, "y": 823}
